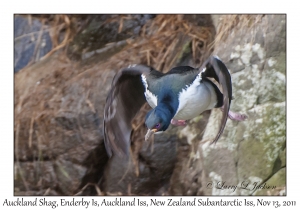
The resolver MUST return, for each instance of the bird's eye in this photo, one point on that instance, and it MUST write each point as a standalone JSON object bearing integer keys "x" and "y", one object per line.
{"x": 157, "y": 125}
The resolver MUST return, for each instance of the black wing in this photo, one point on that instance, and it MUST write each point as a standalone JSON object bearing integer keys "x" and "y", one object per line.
{"x": 215, "y": 68}
{"x": 124, "y": 100}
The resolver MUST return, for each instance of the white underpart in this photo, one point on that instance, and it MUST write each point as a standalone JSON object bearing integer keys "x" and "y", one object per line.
{"x": 150, "y": 97}
{"x": 195, "y": 99}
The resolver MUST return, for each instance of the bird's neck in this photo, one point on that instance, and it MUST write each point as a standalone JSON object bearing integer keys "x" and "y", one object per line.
{"x": 168, "y": 105}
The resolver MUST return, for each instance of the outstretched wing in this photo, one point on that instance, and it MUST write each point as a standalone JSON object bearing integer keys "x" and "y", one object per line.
{"x": 122, "y": 103}
{"x": 215, "y": 68}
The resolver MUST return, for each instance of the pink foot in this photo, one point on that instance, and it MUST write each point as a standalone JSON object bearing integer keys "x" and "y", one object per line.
{"x": 178, "y": 122}
{"x": 235, "y": 116}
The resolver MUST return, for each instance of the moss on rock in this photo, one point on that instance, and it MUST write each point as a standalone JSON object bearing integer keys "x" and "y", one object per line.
{"x": 275, "y": 185}
{"x": 263, "y": 141}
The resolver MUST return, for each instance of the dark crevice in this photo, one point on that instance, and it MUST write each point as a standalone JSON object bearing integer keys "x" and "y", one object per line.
{"x": 95, "y": 163}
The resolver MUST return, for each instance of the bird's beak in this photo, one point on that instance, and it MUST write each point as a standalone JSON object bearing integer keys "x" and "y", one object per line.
{"x": 149, "y": 133}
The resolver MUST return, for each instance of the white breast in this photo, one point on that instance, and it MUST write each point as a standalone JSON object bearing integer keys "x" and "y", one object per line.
{"x": 195, "y": 99}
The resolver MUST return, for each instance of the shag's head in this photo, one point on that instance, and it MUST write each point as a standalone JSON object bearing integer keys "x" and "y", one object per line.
{"x": 157, "y": 121}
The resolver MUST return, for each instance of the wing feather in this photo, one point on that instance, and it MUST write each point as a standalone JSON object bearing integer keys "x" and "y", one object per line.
{"x": 215, "y": 68}
{"x": 124, "y": 100}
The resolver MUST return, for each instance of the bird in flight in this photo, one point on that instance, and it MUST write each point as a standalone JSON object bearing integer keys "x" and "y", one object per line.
{"x": 176, "y": 96}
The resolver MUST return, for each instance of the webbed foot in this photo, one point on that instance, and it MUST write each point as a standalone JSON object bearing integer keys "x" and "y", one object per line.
{"x": 178, "y": 122}
{"x": 236, "y": 116}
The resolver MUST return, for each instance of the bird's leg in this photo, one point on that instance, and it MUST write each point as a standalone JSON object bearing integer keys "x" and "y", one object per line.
{"x": 235, "y": 116}
{"x": 178, "y": 122}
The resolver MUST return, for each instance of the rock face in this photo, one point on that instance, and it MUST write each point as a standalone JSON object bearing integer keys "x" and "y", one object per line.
{"x": 59, "y": 105}
{"x": 32, "y": 41}
{"x": 252, "y": 151}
